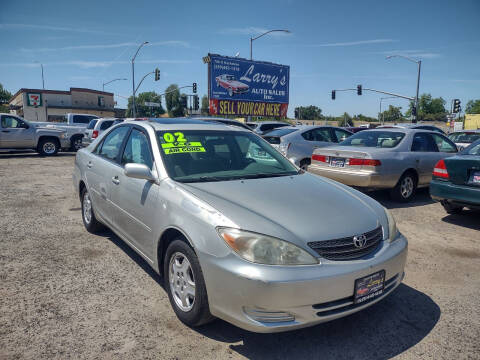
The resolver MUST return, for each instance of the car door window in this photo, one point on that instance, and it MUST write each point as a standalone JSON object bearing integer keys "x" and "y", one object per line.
{"x": 341, "y": 134}
{"x": 10, "y": 122}
{"x": 443, "y": 144}
{"x": 137, "y": 149}
{"x": 322, "y": 135}
{"x": 111, "y": 145}
{"x": 423, "y": 142}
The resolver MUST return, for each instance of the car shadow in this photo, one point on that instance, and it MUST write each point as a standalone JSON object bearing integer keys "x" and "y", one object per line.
{"x": 467, "y": 218}
{"x": 381, "y": 331}
{"x": 32, "y": 154}
{"x": 422, "y": 197}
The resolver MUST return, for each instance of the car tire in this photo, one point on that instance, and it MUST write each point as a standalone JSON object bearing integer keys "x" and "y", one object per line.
{"x": 48, "y": 147}
{"x": 88, "y": 215}
{"x": 452, "y": 209}
{"x": 405, "y": 189}
{"x": 181, "y": 271}
{"x": 230, "y": 91}
{"x": 76, "y": 143}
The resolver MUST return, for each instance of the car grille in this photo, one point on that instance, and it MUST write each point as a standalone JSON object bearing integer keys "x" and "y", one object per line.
{"x": 344, "y": 249}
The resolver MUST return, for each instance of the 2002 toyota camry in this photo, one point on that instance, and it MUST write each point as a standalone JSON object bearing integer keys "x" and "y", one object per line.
{"x": 252, "y": 240}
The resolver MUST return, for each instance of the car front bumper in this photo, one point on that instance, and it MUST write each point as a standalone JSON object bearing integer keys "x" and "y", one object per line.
{"x": 265, "y": 299}
{"x": 359, "y": 178}
{"x": 459, "y": 194}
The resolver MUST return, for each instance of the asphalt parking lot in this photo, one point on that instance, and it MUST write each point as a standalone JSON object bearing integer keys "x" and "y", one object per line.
{"x": 66, "y": 293}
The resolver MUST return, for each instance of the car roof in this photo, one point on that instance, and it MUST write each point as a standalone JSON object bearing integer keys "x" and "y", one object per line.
{"x": 465, "y": 131}
{"x": 401, "y": 129}
{"x": 268, "y": 122}
{"x": 185, "y": 124}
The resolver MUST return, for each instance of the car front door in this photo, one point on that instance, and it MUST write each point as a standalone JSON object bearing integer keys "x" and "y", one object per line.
{"x": 135, "y": 200}
{"x": 426, "y": 155}
{"x": 15, "y": 133}
{"x": 100, "y": 170}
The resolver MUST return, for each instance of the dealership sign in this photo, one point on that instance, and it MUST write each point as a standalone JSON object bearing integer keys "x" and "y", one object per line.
{"x": 247, "y": 88}
{"x": 34, "y": 99}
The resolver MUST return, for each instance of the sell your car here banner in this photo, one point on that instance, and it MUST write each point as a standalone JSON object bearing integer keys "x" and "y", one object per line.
{"x": 247, "y": 88}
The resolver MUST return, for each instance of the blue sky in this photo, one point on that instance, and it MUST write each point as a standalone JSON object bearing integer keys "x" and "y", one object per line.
{"x": 333, "y": 44}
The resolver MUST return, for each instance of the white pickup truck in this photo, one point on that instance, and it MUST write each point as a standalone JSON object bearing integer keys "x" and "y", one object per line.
{"x": 74, "y": 127}
{"x": 17, "y": 133}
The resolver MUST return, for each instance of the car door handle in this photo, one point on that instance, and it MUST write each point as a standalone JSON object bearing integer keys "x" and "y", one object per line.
{"x": 89, "y": 164}
{"x": 115, "y": 180}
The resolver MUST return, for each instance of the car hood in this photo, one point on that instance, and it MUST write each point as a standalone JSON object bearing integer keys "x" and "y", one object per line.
{"x": 298, "y": 208}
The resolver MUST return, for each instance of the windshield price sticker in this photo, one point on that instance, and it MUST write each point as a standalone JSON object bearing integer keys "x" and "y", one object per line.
{"x": 176, "y": 143}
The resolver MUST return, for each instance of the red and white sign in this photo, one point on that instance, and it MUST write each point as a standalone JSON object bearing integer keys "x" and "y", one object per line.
{"x": 34, "y": 99}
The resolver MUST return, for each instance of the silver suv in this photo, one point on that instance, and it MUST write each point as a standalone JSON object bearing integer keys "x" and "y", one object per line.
{"x": 96, "y": 127}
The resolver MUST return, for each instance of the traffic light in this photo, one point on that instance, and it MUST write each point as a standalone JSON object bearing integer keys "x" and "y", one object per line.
{"x": 456, "y": 106}
{"x": 296, "y": 113}
{"x": 359, "y": 89}
{"x": 414, "y": 111}
{"x": 194, "y": 88}
{"x": 196, "y": 103}
{"x": 157, "y": 74}
{"x": 333, "y": 94}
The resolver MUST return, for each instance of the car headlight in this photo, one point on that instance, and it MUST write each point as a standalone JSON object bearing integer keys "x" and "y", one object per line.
{"x": 264, "y": 249}
{"x": 392, "y": 226}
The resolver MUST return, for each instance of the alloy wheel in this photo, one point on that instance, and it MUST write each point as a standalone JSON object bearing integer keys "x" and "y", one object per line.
{"x": 182, "y": 281}
{"x": 406, "y": 187}
{"x": 49, "y": 148}
{"x": 87, "y": 208}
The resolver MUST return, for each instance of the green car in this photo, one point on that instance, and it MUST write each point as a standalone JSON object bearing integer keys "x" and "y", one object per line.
{"x": 456, "y": 180}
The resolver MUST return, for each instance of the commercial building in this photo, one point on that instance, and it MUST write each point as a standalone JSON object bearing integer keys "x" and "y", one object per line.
{"x": 52, "y": 105}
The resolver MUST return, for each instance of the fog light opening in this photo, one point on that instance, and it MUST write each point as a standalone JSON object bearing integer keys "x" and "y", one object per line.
{"x": 265, "y": 316}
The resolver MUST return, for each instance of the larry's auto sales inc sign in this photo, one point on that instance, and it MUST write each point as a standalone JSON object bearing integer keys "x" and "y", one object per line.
{"x": 247, "y": 88}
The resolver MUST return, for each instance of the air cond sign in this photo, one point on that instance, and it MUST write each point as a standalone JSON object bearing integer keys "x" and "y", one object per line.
{"x": 248, "y": 88}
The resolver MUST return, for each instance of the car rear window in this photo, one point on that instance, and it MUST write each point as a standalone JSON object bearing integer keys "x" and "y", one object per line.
{"x": 92, "y": 124}
{"x": 473, "y": 149}
{"x": 106, "y": 124}
{"x": 379, "y": 139}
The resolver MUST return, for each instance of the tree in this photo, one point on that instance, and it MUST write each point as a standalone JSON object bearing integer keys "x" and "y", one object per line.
{"x": 392, "y": 114}
{"x": 473, "y": 107}
{"x": 346, "y": 120}
{"x": 309, "y": 112}
{"x": 205, "y": 106}
{"x": 5, "y": 96}
{"x": 172, "y": 99}
{"x": 429, "y": 108}
{"x": 142, "y": 110}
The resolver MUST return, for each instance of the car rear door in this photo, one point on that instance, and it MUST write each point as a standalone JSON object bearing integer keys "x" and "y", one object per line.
{"x": 135, "y": 200}
{"x": 101, "y": 168}
{"x": 15, "y": 133}
{"x": 425, "y": 153}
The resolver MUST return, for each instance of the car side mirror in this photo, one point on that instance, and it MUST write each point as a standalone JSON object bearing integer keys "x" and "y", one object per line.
{"x": 139, "y": 171}
{"x": 23, "y": 125}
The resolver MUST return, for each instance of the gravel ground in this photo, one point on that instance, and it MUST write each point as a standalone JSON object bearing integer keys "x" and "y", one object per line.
{"x": 68, "y": 294}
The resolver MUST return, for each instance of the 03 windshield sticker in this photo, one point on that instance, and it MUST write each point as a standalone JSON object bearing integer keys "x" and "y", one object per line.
{"x": 177, "y": 143}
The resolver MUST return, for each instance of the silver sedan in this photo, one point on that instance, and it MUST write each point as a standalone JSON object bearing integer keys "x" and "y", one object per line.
{"x": 397, "y": 159}
{"x": 256, "y": 242}
{"x": 297, "y": 142}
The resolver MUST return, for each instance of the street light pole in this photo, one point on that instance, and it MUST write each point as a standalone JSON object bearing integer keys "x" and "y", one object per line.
{"x": 133, "y": 78}
{"x": 108, "y": 82}
{"x": 43, "y": 80}
{"x": 419, "y": 64}
{"x": 259, "y": 36}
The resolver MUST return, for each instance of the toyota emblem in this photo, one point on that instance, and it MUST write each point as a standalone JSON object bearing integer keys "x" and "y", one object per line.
{"x": 359, "y": 241}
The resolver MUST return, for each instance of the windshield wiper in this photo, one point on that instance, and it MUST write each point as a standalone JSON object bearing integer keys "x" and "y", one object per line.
{"x": 205, "y": 179}
{"x": 267, "y": 175}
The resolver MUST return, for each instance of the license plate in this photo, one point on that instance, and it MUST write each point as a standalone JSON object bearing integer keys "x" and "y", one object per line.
{"x": 369, "y": 287}
{"x": 476, "y": 177}
{"x": 337, "y": 162}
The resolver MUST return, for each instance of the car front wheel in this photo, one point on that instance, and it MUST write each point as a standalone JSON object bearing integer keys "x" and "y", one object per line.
{"x": 185, "y": 285}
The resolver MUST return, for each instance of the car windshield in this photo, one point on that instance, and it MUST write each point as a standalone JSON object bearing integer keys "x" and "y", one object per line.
{"x": 379, "y": 139}
{"x": 281, "y": 132}
{"x": 208, "y": 155}
{"x": 473, "y": 149}
{"x": 230, "y": 77}
{"x": 464, "y": 137}
{"x": 91, "y": 124}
